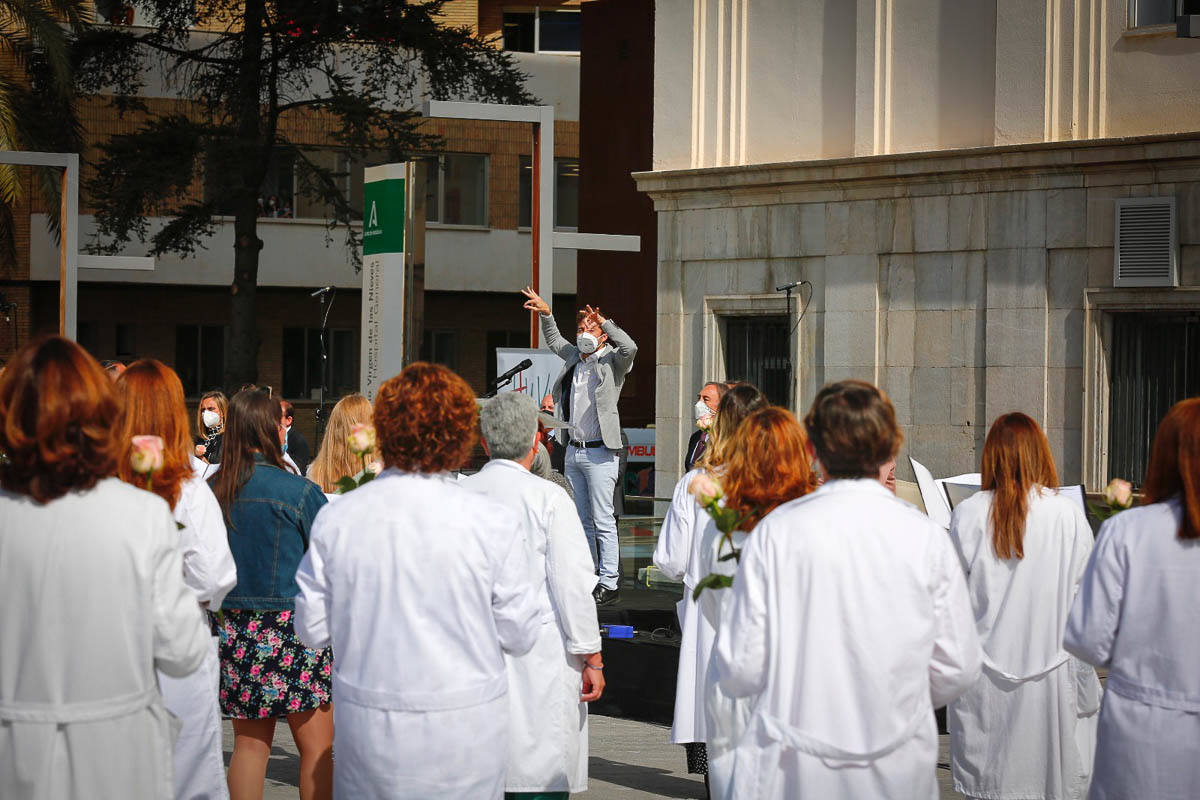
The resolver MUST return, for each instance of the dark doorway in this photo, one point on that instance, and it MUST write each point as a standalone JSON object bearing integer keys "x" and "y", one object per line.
{"x": 756, "y": 350}
{"x": 1155, "y": 364}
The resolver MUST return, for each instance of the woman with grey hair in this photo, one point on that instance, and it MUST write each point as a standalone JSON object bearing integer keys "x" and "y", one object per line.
{"x": 550, "y": 685}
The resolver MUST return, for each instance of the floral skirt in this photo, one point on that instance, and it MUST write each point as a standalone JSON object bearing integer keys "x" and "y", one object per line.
{"x": 266, "y": 671}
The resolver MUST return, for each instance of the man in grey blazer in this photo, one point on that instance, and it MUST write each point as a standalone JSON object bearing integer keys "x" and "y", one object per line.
{"x": 586, "y": 393}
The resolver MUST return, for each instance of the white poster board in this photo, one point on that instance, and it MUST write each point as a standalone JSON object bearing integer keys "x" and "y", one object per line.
{"x": 384, "y": 277}
{"x": 534, "y": 381}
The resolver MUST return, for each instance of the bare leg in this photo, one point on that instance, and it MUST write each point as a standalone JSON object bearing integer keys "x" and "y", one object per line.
{"x": 251, "y": 749}
{"x": 313, "y": 732}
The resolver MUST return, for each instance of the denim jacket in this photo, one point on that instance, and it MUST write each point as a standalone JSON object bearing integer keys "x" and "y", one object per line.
{"x": 271, "y": 516}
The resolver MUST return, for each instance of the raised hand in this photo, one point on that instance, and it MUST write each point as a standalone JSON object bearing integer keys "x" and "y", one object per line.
{"x": 593, "y": 315}
{"x": 534, "y": 302}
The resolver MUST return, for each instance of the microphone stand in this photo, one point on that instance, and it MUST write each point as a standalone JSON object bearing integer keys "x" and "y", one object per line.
{"x": 320, "y": 414}
{"x": 497, "y": 386}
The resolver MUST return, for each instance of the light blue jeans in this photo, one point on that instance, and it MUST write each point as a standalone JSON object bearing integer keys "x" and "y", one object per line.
{"x": 592, "y": 472}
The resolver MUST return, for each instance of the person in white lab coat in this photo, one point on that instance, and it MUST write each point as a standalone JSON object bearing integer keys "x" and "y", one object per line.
{"x": 767, "y": 464}
{"x": 847, "y": 624}
{"x": 547, "y": 744}
{"x": 682, "y": 553}
{"x": 1136, "y": 614}
{"x": 153, "y": 404}
{"x": 421, "y": 585}
{"x": 1027, "y": 727}
{"x": 95, "y": 598}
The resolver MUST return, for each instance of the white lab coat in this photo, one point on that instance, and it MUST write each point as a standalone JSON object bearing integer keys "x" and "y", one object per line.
{"x": 420, "y": 585}
{"x": 547, "y": 740}
{"x": 726, "y": 718}
{"x": 1027, "y": 727}
{"x": 1136, "y": 615}
{"x": 848, "y": 623}
{"x": 94, "y": 601}
{"x": 210, "y": 572}
{"x": 681, "y": 555}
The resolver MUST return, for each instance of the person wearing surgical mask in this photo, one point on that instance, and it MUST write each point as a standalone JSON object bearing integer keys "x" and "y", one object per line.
{"x": 586, "y": 393}
{"x": 210, "y": 425}
{"x": 707, "y": 400}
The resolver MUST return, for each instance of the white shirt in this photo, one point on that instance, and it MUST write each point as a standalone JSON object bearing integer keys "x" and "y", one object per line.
{"x": 585, "y": 423}
{"x": 420, "y": 585}
{"x": 847, "y": 624}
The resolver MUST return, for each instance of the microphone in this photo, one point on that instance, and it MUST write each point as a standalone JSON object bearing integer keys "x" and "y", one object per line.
{"x": 787, "y": 286}
{"x": 526, "y": 364}
{"x": 322, "y": 290}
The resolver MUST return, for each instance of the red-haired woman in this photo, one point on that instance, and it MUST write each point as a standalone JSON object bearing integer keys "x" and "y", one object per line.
{"x": 768, "y": 465}
{"x": 1137, "y": 614}
{"x": 1027, "y": 727}
{"x": 421, "y": 585}
{"x": 682, "y": 553}
{"x": 95, "y": 599}
{"x": 153, "y": 404}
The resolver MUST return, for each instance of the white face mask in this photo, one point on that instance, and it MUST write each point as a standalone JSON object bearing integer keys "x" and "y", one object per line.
{"x": 211, "y": 418}
{"x": 702, "y": 410}
{"x": 587, "y": 343}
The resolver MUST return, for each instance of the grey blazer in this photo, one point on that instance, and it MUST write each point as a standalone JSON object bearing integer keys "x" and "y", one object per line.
{"x": 613, "y": 366}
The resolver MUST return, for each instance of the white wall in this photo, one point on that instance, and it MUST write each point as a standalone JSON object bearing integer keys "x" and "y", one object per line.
{"x": 296, "y": 254}
{"x": 765, "y": 81}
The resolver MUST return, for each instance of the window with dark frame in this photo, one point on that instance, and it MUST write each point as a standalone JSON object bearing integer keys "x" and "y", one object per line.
{"x": 756, "y": 350}
{"x": 497, "y": 339}
{"x": 200, "y": 357}
{"x": 456, "y": 189}
{"x": 1143, "y": 13}
{"x": 301, "y": 357}
{"x": 440, "y": 346}
{"x": 566, "y": 192}
{"x": 1155, "y": 363}
{"x": 541, "y": 30}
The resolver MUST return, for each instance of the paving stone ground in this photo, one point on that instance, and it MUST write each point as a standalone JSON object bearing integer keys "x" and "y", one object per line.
{"x": 629, "y": 761}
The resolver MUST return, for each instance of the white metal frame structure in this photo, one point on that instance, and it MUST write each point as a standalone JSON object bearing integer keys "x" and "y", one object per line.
{"x": 68, "y": 285}
{"x": 545, "y": 238}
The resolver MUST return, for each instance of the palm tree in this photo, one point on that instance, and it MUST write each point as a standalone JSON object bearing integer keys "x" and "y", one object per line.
{"x": 36, "y": 92}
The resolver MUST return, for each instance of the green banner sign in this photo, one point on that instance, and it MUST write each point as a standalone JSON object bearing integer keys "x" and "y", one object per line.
{"x": 383, "y": 216}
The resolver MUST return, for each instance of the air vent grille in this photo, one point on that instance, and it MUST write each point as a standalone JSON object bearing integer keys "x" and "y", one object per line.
{"x": 1146, "y": 247}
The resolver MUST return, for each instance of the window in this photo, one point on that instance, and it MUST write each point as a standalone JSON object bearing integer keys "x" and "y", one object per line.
{"x": 310, "y": 185}
{"x": 276, "y": 195}
{"x": 1155, "y": 364}
{"x": 302, "y": 362}
{"x": 200, "y": 357}
{"x": 125, "y": 348}
{"x": 456, "y": 190}
{"x": 756, "y": 350}
{"x": 501, "y": 339}
{"x": 566, "y": 192}
{"x": 1151, "y": 12}
{"x": 441, "y": 347}
{"x": 541, "y": 31}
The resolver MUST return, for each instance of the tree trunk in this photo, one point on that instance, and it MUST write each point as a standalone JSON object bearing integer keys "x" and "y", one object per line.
{"x": 242, "y": 367}
{"x": 243, "y": 330}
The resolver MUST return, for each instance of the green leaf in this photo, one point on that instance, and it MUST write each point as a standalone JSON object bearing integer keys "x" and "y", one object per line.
{"x": 179, "y": 526}
{"x": 366, "y": 477}
{"x": 346, "y": 484}
{"x": 712, "y": 581}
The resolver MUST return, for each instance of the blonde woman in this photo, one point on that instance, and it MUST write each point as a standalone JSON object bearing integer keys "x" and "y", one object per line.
{"x": 334, "y": 461}
{"x": 210, "y": 425}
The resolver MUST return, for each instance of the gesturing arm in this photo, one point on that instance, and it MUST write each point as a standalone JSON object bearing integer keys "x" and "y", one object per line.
{"x": 1096, "y": 615}
{"x": 557, "y": 343}
{"x": 622, "y": 343}
{"x": 675, "y": 537}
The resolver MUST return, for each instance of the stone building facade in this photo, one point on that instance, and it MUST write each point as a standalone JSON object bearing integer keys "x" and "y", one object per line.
{"x": 951, "y": 202}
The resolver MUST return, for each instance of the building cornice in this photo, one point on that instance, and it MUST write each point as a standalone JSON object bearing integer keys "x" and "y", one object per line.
{"x": 1042, "y": 165}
